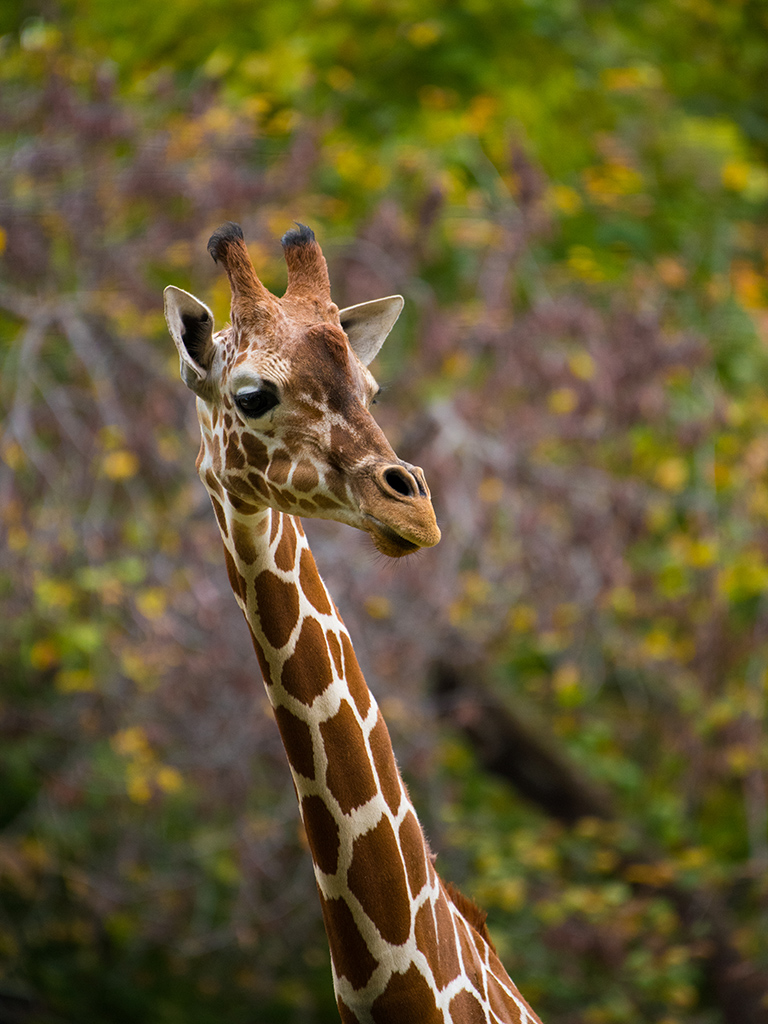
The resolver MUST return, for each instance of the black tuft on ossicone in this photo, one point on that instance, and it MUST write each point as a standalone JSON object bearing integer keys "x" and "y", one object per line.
{"x": 221, "y": 238}
{"x": 300, "y": 235}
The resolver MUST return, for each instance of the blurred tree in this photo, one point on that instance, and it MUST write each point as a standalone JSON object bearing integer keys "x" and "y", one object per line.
{"x": 572, "y": 197}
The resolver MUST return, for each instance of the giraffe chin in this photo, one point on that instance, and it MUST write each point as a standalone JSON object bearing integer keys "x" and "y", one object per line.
{"x": 387, "y": 541}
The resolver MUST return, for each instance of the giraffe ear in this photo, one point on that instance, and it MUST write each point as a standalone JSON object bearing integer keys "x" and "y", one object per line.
{"x": 191, "y": 325}
{"x": 368, "y": 324}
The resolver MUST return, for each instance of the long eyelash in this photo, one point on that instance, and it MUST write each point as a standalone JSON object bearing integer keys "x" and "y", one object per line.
{"x": 379, "y": 393}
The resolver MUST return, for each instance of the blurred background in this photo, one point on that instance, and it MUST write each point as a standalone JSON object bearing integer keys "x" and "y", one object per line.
{"x": 573, "y": 198}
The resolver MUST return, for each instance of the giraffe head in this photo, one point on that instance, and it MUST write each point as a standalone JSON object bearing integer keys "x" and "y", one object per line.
{"x": 283, "y": 398}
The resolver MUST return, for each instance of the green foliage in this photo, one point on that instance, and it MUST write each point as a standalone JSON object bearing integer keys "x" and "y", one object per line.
{"x": 573, "y": 199}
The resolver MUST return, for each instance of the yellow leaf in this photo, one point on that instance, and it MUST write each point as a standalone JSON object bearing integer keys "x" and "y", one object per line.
{"x": 522, "y": 618}
{"x": 135, "y": 667}
{"x": 693, "y": 857}
{"x": 17, "y": 538}
{"x": 741, "y": 759}
{"x": 54, "y": 593}
{"x": 562, "y": 401}
{"x": 424, "y": 33}
{"x": 606, "y": 860}
{"x": 583, "y": 264}
{"x": 178, "y": 254}
{"x": 169, "y": 779}
{"x": 75, "y": 680}
{"x": 701, "y": 553}
{"x": 745, "y": 578}
{"x": 457, "y": 364}
{"x": 476, "y": 587}
{"x": 340, "y": 79}
{"x": 671, "y": 272}
{"x": 622, "y": 600}
{"x": 629, "y": 79}
{"x": 131, "y": 741}
{"x": 566, "y": 200}
{"x": 138, "y": 788}
{"x": 111, "y": 436}
{"x": 44, "y": 654}
{"x": 152, "y": 602}
{"x": 658, "y": 644}
{"x": 608, "y": 182}
{"x": 582, "y": 365}
{"x": 683, "y": 995}
{"x": 491, "y": 490}
{"x": 722, "y": 475}
{"x": 378, "y": 607}
{"x": 655, "y": 875}
{"x": 672, "y": 474}
{"x": 508, "y": 893}
{"x": 748, "y": 284}
{"x": 567, "y": 685}
{"x": 120, "y": 465}
{"x": 481, "y": 109}
{"x": 735, "y": 175}
{"x": 13, "y": 454}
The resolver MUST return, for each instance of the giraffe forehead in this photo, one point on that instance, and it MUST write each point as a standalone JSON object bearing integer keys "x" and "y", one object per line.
{"x": 314, "y": 362}
{"x": 256, "y": 365}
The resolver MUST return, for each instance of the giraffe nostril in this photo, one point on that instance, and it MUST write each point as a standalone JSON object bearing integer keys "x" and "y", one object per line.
{"x": 399, "y": 481}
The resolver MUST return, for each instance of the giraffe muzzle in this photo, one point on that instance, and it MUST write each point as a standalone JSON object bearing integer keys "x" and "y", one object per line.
{"x": 398, "y": 510}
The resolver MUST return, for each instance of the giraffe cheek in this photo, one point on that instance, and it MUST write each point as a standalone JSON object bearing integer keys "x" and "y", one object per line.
{"x": 305, "y": 476}
{"x": 279, "y": 468}
{"x": 255, "y": 451}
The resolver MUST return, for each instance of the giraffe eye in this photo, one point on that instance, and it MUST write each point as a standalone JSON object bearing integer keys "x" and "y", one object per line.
{"x": 256, "y": 403}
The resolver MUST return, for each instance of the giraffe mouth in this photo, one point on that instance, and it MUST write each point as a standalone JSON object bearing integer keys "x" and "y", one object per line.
{"x": 388, "y": 541}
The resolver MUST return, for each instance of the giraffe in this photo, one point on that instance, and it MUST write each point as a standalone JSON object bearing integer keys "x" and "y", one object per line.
{"x": 283, "y": 396}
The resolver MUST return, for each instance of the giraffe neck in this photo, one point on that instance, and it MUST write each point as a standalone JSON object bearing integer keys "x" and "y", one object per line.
{"x": 401, "y": 948}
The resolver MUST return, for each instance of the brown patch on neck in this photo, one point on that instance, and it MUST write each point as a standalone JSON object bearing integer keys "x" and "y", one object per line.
{"x": 243, "y": 541}
{"x": 312, "y": 586}
{"x": 348, "y": 776}
{"x": 356, "y": 683}
{"x": 414, "y": 848}
{"x": 406, "y": 999}
{"x": 322, "y": 833}
{"x": 308, "y": 673}
{"x": 377, "y": 877}
{"x": 385, "y": 765}
{"x": 297, "y": 740}
{"x": 277, "y": 606}
{"x": 466, "y": 1007}
{"x": 285, "y": 553}
{"x": 347, "y": 1016}
{"x": 436, "y": 939}
{"x": 502, "y": 1004}
{"x": 349, "y": 950}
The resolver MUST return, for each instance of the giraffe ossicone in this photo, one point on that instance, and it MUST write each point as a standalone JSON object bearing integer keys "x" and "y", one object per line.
{"x": 283, "y": 400}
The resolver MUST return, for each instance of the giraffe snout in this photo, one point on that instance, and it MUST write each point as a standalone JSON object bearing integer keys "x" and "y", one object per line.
{"x": 398, "y": 510}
